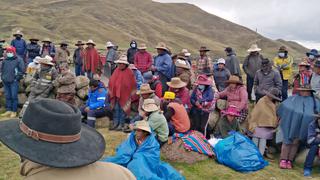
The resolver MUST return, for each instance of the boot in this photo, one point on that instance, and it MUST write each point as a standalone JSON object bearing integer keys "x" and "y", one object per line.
{"x": 13, "y": 115}
{"x": 6, "y": 114}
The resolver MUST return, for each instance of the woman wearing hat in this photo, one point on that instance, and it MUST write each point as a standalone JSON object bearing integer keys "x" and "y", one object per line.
{"x": 295, "y": 114}
{"x": 140, "y": 153}
{"x": 48, "y": 48}
{"x": 143, "y": 59}
{"x": 91, "y": 63}
{"x": 20, "y": 44}
{"x": 182, "y": 92}
{"x": 237, "y": 96}
{"x": 228, "y": 122}
{"x": 303, "y": 77}
{"x": 78, "y": 58}
{"x": 201, "y": 99}
{"x": 263, "y": 119}
{"x": 33, "y": 49}
{"x": 122, "y": 86}
{"x": 54, "y": 144}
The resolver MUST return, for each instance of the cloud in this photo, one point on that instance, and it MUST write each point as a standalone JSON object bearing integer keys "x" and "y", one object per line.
{"x": 286, "y": 19}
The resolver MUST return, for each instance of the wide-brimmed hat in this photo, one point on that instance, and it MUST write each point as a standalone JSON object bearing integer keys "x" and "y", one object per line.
{"x": 64, "y": 43}
{"x": 313, "y": 52}
{"x": 186, "y": 52}
{"x": 234, "y": 80}
{"x": 133, "y": 67}
{"x": 34, "y": 39}
{"x": 231, "y": 110}
{"x": 149, "y": 105}
{"x": 254, "y": 48}
{"x": 176, "y": 83}
{"x": 317, "y": 64}
{"x": 142, "y": 125}
{"x": 162, "y": 45}
{"x": 122, "y": 60}
{"x": 50, "y": 133}
{"x": 90, "y": 41}
{"x": 203, "y": 80}
{"x": 169, "y": 95}
{"x": 274, "y": 93}
{"x": 145, "y": 89}
{"x": 37, "y": 59}
{"x": 79, "y": 43}
{"x": 306, "y": 87}
{"x": 18, "y": 32}
{"x": 182, "y": 64}
{"x": 221, "y": 61}
{"x": 142, "y": 46}
{"x": 46, "y": 60}
{"x": 283, "y": 49}
{"x": 46, "y": 40}
{"x": 109, "y": 44}
{"x": 204, "y": 48}
{"x": 304, "y": 63}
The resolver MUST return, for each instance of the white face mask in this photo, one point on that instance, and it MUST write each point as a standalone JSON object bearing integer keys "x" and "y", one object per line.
{"x": 201, "y": 87}
{"x": 311, "y": 56}
{"x": 281, "y": 54}
{"x": 10, "y": 55}
{"x": 133, "y": 45}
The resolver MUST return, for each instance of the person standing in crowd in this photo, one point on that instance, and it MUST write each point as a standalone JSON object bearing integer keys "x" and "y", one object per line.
{"x": 176, "y": 114}
{"x": 33, "y": 50}
{"x": 303, "y": 77}
{"x": 263, "y": 119}
{"x": 53, "y": 144}
{"x": 66, "y": 85}
{"x": 122, "y": 86}
{"x": 251, "y": 64}
{"x": 265, "y": 79}
{"x": 204, "y": 63}
{"x": 111, "y": 56}
{"x": 221, "y": 74}
{"x": 137, "y": 75}
{"x": 156, "y": 120}
{"x": 312, "y": 56}
{"x": 183, "y": 72}
{"x": 154, "y": 82}
{"x": 78, "y": 58}
{"x": 143, "y": 59}
{"x": 163, "y": 65}
{"x": 20, "y": 44}
{"x": 48, "y": 48}
{"x": 131, "y": 52}
{"x": 187, "y": 56}
{"x": 232, "y": 62}
{"x": 315, "y": 78}
{"x": 95, "y": 105}
{"x": 62, "y": 54}
{"x": 181, "y": 91}
{"x": 33, "y": 67}
{"x": 91, "y": 62}
{"x": 2, "y": 41}
{"x": 283, "y": 62}
{"x": 201, "y": 99}
{"x": 11, "y": 71}
{"x": 228, "y": 122}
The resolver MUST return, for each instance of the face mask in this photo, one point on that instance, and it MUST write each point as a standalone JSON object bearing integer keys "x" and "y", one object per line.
{"x": 311, "y": 56}
{"x": 10, "y": 55}
{"x": 133, "y": 45}
{"x": 18, "y": 37}
{"x": 281, "y": 54}
{"x": 201, "y": 87}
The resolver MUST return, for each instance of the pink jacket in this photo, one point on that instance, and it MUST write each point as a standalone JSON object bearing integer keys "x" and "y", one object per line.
{"x": 237, "y": 97}
{"x": 184, "y": 96}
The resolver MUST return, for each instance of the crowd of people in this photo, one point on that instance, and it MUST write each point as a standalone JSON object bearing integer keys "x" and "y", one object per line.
{"x": 155, "y": 97}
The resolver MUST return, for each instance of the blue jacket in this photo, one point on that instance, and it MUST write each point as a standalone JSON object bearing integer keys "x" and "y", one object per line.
{"x": 207, "y": 96}
{"x": 220, "y": 77}
{"x": 33, "y": 50}
{"x": 21, "y": 47}
{"x": 163, "y": 63}
{"x": 139, "y": 78}
{"x": 313, "y": 131}
{"x": 12, "y": 69}
{"x": 97, "y": 98}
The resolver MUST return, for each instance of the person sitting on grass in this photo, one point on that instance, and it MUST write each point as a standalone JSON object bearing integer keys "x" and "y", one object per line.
{"x": 176, "y": 114}
{"x": 177, "y": 86}
{"x": 227, "y": 122}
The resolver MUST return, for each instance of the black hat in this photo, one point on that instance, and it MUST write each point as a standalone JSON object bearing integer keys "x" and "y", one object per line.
{"x": 317, "y": 63}
{"x": 50, "y": 133}
{"x": 228, "y": 49}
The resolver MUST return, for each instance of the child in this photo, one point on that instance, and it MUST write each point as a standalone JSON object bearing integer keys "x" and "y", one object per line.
{"x": 228, "y": 122}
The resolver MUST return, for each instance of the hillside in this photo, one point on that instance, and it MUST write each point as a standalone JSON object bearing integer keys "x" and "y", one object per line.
{"x": 179, "y": 25}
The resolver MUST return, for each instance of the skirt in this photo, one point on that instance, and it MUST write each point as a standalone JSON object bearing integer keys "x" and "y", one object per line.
{"x": 264, "y": 132}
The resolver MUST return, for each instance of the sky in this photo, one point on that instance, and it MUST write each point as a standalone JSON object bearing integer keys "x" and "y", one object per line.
{"x": 295, "y": 20}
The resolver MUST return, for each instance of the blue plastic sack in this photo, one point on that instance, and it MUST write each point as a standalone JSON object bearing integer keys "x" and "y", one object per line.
{"x": 239, "y": 153}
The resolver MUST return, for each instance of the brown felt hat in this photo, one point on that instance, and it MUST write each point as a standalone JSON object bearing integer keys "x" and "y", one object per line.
{"x": 176, "y": 83}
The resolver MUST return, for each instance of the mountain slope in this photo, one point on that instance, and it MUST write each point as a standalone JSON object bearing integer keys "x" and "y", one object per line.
{"x": 179, "y": 25}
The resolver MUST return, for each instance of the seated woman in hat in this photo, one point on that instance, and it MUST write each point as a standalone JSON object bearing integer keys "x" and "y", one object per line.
{"x": 154, "y": 82}
{"x": 202, "y": 101}
{"x": 295, "y": 114}
{"x": 227, "y": 122}
{"x": 182, "y": 92}
{"x": 303, "y": 77}
{"x": 263, "y": 119}
{"x": 140, "y": 153}
{"x": 236, "y": 94}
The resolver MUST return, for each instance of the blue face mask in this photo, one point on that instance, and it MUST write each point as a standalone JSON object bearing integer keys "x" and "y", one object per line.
{"x": 282, "y": 54}
{"x": 311, "y": 56}
{"x": 201, "y": 87}
{"x": 10, "y": 55}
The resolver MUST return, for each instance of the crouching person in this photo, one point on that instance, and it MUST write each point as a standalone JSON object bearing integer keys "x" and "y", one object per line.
{"x": 313, "y": 142}
{"x": 228, "y": 122}
{"x": 95, "y": 106}
{"x": 176, "y": 114}
{"x": 66, "y": 85}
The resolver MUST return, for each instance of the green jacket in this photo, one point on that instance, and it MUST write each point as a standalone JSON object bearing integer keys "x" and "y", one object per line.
{"x": 159, "y": 125}
{"x": 224, "y": 127}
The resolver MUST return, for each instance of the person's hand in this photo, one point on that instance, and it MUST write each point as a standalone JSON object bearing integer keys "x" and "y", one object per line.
{"x": 87, "y": 109}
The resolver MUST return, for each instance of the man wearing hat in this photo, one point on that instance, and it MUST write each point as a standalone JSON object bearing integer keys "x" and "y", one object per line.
{"x": 78, "y": 57}
{"x": 154, "y": 82}
{"x": 181, "y": 91}
{"x": 265, "y": 79}
{"x": 54, "y": 144}
{"x": 303, "y": 77}
{"x": 20, "y": 44}
{"x": 48, "y": 48}
{"x": 187, "y": 55}
{"x": 110, "y": 58}
{"x": 312, "y": 56}
{"x": 33, "y": 50}
{"x": 204, "y": 62}
{"x": 251, "y": 64}
{"x": 232, "y": 62}
{"x": 12, "y": 70}
{"x": 143, "y": 59}
{"x": 221, "y": 74}
{"x": 91, "y": 63}
{"x": 62, "y": 54}
{"x": 183, "y": 72}
{"x": 163, "y": 65}
{"x": 132, "y": 51}
{"x": 315, "y": 78}
{"x": 283, "y": 62}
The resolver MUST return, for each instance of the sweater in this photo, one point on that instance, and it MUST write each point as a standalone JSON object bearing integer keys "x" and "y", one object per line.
{"x": 159, "y": 125}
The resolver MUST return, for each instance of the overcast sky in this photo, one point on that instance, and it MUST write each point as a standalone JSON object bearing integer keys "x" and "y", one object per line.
{"x": 296, "y": 20}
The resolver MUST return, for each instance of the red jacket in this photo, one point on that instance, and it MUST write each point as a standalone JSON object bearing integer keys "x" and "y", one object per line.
{"x": 143, "y": 61}
{"x": 184, "y": 96}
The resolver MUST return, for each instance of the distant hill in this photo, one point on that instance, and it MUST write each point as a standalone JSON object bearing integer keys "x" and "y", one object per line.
{"x": 178, "y": 25}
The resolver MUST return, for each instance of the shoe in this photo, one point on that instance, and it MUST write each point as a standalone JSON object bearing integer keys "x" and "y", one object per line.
{"x": 269, "y": 156}
{"x": 307, "y": 172}
{"x": 289, "y": 164}
{"x": 13, "y": 115}
{"x": 7, "y": 113}
{"x": 283, "y": 164}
